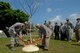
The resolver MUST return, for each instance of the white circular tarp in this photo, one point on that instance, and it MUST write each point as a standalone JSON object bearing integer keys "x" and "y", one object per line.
{"x": 30, "y": 48}
{"x": 1, "y": 31}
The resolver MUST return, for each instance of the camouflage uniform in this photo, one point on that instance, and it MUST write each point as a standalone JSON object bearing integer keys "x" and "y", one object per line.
{"x": 15, "y": 28}
{"x": 77, "y": 31}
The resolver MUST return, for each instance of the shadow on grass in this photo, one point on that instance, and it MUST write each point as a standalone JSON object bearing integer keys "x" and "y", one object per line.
{"x": 73, "y": 40}
{"x": 40, "y": 46}
{"x": 16, "y": 45}
{"x": 76, "y": 44}
{"x": 9, "y": 46}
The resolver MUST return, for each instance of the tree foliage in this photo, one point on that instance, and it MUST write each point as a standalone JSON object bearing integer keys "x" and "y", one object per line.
{"x": 9, "y": 16}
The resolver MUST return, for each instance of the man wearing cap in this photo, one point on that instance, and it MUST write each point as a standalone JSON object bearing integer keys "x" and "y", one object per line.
{"x": 69, "y": 26}
{"x": 45, "y": 35}
{"x": 14, "y": 31}
{"x": 77, "y": 29}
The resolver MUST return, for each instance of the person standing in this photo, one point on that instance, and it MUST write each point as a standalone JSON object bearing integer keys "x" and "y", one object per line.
{"x": 51, "y": 27}
{"x": 14, "y": 31}
{"x": 69, "y": 26}
{"x": 45, "y": 33}
{"x": 77, "y": 29}
{"x": 56, "y": 31}
{"x": 45, "y": 22}
{"x": 62, "y": 31}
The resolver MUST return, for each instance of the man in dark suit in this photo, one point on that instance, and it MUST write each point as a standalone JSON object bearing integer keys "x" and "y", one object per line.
{"x": 56, "y": 31}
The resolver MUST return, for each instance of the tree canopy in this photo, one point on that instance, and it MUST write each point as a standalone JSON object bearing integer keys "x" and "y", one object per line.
{"x": 8, "y": 16}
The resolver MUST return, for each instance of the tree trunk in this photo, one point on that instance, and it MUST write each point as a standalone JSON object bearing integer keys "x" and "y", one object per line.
{"x": 6, "y": 32}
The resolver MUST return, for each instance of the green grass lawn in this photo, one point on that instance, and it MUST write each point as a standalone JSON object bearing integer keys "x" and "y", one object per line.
{"x": 56, "y": 46}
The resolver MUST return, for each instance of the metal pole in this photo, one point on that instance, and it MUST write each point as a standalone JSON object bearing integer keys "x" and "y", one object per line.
{"x": 30, "y": 34}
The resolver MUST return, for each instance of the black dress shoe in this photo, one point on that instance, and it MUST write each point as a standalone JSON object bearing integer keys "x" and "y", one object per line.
{"x": 45, "y": 49}
{"x": 41, "y": 46}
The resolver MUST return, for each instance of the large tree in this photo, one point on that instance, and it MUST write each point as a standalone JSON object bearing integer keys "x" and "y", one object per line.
{"x": 9, "y": 16}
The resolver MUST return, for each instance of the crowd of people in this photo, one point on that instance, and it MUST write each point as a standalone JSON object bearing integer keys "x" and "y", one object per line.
{"x": 65, "y": 31}
{"x": 46, "y": 31}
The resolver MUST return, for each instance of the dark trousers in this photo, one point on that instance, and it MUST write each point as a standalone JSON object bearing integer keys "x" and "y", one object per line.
{"x": 57, "y": 36}
{"x": 62, "y": 36}
{"x": 77, "y": 32}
